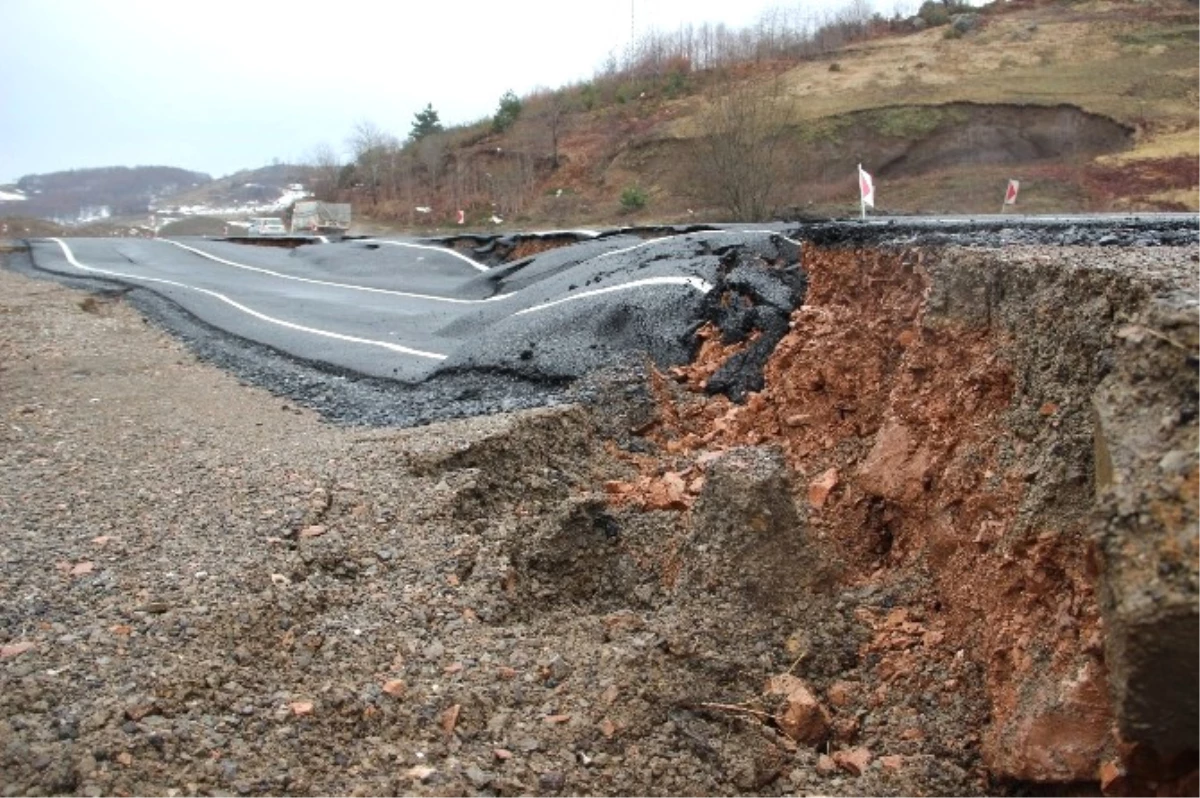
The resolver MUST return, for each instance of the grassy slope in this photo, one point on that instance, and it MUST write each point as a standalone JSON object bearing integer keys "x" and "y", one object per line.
{"x": 1133, "y": 62}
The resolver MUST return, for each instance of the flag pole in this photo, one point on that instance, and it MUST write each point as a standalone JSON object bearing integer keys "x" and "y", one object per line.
{"x": 862, "y": 201}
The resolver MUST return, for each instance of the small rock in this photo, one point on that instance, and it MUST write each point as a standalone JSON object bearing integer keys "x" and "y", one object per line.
{"x": 551, "y": 781}
{"x": 396, "y": 688}
{"x": 820, "y": 488}
{"x": 1111, "y": 778}
{"x": 826, "y": 766}
{"x": 434, "y": 650}
{"x": 556, "y": 669}
{"x": 840, "y": 693}
{"x": 420, "y": 772}
{"x": 892, "y": 762}
{"x": 301, "y": 708}
{"x": 1176, "y": 462}
{"x": 13, "y": 649}
{"x": 450, "y": 718}
{"x": 853, "y": 760}
{"x": 503, "y": 754}
{"x": 478, "y": 777}
{"x": 845, "y": 730}
{"x": 804, "y": 719}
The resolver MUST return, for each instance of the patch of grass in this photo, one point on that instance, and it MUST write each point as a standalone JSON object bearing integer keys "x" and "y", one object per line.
{"x": 914, "y": 121}
{"x": 1165, "y": 36}
{"x": 828, "y": 129}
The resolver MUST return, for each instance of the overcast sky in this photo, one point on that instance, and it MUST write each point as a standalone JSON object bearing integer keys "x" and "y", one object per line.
{"x": 216, "y": 85}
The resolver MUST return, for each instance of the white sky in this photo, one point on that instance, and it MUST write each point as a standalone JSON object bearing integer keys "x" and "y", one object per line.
{"x": 217, "y": 85}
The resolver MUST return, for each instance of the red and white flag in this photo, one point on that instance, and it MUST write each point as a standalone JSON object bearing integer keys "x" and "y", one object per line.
{"x": 866, "y": 187}
{"x": 462, "y": 217}
{"x": 1010, "y": 193}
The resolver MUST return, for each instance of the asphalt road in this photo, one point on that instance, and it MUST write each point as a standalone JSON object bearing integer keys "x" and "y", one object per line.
{"x": 404, "y": 332}
{"x": 404, "y": 310}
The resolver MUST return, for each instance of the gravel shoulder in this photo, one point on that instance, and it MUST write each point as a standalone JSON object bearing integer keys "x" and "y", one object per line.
{"x": 194, "y": 561}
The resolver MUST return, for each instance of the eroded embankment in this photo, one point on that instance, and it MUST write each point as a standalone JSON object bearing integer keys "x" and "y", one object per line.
{"x": 941, "y": 409}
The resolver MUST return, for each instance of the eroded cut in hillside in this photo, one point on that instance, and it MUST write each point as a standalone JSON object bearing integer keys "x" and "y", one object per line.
{"x": 936, "y": 408}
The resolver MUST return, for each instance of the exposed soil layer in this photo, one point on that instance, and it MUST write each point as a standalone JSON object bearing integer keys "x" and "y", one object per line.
{"x": 966, "y": 133}
{"x": 939, "y": 407}
{"x": 941, "y": 549}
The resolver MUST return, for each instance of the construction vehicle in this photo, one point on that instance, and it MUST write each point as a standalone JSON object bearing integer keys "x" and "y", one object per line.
{"x": 312, "y": 217}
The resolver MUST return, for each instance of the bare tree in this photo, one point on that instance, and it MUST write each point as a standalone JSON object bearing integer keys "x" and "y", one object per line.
{"x": 742, "y": 160}
{"x": 555, "y": 115}
{"x": 326, "y": 168}
{"x": 371, "y": 146}
{"x": 431, "y": 151}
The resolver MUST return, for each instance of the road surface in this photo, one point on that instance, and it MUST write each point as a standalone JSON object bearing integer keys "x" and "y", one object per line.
{"x": 405, "y": 310}
{"x": 402, "y": 332}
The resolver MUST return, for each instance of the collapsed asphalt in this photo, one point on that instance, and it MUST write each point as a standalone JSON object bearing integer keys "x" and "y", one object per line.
{"x": 569, "y": 349}
{"x": 566, "y": 325}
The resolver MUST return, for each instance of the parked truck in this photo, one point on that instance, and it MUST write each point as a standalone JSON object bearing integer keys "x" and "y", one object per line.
{"x": 320, "y": 218}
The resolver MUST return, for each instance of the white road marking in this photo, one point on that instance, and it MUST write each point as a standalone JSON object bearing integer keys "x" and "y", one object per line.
{"x": 639, "y": 245}
{"x": 651, "y": 241}
{"x": 693, "y": 282}
{"x": 443, "y": 250}
{"x": 404, "y": 350}
{"x": 348, "y": 286}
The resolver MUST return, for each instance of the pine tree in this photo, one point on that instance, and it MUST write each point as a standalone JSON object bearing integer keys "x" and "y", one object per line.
{"x": 510, "y": 109}
{"x": 425, "y": 123}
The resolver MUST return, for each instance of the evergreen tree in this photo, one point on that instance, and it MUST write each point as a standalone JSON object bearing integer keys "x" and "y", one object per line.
{"x": 425, "y": 123}
{"x": 510, "y": 108}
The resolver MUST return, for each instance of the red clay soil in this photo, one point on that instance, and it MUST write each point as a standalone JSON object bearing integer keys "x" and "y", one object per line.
{"x": 895, "y": 425}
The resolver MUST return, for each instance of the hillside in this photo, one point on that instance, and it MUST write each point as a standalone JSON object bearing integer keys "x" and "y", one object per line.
{"x": 1091, "y": 105}
{"x": 84, "y": 195}
{"x": 249, "y": 187}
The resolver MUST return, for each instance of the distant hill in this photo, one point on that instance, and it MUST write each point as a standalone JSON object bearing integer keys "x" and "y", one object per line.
{"x": 122, "y": 195}
{"x": 246, "y": 187}
{"x": 81, "y": 195}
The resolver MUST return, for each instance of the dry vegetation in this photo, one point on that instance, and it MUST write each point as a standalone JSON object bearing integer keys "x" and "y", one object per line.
{"x": 858, "y": 88}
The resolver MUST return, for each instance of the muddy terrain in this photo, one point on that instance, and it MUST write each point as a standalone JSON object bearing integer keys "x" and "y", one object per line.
{"x": 946, "y": 544}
